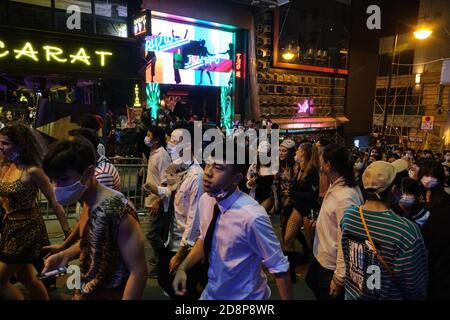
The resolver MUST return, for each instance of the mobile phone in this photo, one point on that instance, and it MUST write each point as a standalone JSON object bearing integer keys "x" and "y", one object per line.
{"x": 54, "y": 273}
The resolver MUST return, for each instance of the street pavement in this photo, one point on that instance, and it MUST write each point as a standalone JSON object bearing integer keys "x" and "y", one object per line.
{"x": 152, "y": 290}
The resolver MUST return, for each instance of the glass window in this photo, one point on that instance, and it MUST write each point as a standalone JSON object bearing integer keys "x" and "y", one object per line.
{"x": 111, "y": 27}
{"x": 85, "y": 5}
{"x": 314, "y": 32}
{"x": 111, "y": 8}
{"x": 43, "y": 3}
{"x": 29, "y": 17}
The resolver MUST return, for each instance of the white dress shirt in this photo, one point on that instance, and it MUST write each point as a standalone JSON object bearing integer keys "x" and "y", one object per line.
{"x": 184, "y": 228}
{"x": 157, "y": 163}
{"x": 327, "y": 242}
{"x": 243, "y": 239}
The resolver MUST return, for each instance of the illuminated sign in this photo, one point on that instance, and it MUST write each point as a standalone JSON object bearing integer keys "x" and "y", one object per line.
{"x": 188, "y": 54}
{"x": 137, "y": 102}
{"x": 305, "y": 106}
{"x": 55, "y": 54}
{"x": 239, "y": 66}
{"x": 141, "y": 24}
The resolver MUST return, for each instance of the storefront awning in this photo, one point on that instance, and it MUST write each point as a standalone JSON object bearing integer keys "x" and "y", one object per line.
{"x": 310, "y": 122}
{"x": 342, "y": 119}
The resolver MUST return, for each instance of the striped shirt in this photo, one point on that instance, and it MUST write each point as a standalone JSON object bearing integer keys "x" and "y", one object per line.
{"x": 107, "y": 174}
{"x": 399, "y": 241}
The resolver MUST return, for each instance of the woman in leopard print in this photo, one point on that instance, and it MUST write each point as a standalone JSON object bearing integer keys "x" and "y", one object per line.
{"x": 24, "y": 233}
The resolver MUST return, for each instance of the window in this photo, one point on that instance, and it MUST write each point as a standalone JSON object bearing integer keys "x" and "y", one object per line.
{"x": 111, "y": 8}
{"x": 313, "y": 32}
{"x": 43, "y": 3}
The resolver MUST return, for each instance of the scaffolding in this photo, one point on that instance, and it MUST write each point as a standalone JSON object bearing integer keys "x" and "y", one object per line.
{"x": 404, "y": 108}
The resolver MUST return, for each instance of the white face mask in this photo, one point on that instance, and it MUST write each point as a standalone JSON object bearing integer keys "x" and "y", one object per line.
{"x": 429, "y": 182}
{"x": 70, "y": 194}
{"x": 172, "y": 151}
{"x": 148, "y": 142}
{"x": 219, "y": 195}
{"x": 407, "y": 200}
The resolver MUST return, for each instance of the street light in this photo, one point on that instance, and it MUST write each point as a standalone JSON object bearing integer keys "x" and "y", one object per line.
{"x": 423, "y": 33}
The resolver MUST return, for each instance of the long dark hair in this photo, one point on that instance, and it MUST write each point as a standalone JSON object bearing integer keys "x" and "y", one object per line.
{"x": 434, "y": 169}
{"x": 29, "y": 153}
{"x": 341, "y": 162}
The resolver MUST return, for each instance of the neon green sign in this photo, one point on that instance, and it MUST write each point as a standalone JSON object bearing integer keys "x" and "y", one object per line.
{"x": 51, "y": 53}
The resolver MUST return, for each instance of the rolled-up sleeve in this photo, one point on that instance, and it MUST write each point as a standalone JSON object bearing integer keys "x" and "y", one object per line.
{"x": 264, "y": 243}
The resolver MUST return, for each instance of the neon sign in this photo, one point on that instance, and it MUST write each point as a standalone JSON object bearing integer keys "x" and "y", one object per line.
{"x": 140, "y": 24}
{"x": 238, "y": 65}
{"x": 164, "y": 43}
{"x": 305, "y": 106}
{"x": 136, "y": 103}
{"x": 53, "y": 53}
{"x": 196, "y": 61}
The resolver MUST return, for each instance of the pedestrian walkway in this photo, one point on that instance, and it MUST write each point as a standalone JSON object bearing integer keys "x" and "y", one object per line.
{"x": 152, "y": 290}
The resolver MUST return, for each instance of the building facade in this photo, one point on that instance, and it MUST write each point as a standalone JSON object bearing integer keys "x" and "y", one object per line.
{"x": 419, "y": 106}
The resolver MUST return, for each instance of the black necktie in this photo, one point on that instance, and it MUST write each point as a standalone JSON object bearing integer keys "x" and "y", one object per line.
{"x": 209, "y": 236}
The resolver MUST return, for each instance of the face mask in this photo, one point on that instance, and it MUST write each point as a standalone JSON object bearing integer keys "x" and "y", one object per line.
{"x": 13, "y": 157}
{"x": 70, "y": 194}
{"x": 171, "y": 150}
{"x": 219, "y": 195}
{"x": 429, "y": 182}
{"x": 358, "y": 165}
{"x": 148, "y": 142}
{"x": 407, "y": 200}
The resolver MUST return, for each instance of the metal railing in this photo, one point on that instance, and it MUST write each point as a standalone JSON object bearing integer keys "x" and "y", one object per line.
{"x": 133, "y": 173}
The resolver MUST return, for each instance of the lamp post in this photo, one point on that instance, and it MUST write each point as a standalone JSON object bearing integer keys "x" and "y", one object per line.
{"x": 389, "y": 89}
{"x": 420, "y": 34}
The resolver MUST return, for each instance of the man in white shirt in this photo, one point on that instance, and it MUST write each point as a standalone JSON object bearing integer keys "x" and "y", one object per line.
{"x": 183, "y": 188}
{"x": 236, "y": 237}
{"x": 326, "y": 273}
{"x": 158, "y": 162}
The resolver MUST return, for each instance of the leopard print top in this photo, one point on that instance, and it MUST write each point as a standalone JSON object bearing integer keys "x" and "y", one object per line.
{"x": 101, "y": 263}
{"x": 17, "y": 195}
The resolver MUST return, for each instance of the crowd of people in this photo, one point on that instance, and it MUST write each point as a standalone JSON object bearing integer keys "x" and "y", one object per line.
{"x": 371, "y": 225}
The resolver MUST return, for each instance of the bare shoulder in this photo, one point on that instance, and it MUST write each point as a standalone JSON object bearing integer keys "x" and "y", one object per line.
{"x": 35, "y": 172}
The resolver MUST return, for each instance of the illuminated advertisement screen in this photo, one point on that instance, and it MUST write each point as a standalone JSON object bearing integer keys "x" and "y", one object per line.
{"x": 187, "y": 54}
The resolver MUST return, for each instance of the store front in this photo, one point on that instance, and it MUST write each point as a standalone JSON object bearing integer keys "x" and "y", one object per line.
{"x": 48, "y": 79}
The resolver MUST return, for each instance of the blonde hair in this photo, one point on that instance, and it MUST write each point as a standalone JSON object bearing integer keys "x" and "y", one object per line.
{"x": 311, "y": 158}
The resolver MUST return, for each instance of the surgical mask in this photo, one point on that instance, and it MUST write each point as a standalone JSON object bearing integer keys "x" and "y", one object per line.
{"x": 358, "y": 165}
{"x": 13, "y": 157}
{"x": 148, "y": 142}
{"x": 407, "y": 200}
{"x": 172, "y": 151}
{"x": 429, "y": 182}
{"x": 219, "y": 195}
{"x": 70, "y": 194}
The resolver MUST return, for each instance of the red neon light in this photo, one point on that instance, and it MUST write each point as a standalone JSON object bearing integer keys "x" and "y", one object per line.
{"x": 238, "y": 65}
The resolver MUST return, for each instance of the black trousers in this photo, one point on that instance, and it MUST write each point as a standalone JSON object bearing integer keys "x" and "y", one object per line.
{"x": 195, "y": 276}
{"x": 157, "y": 233}
{"x": 318, "y": 280}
